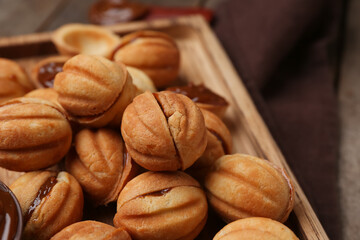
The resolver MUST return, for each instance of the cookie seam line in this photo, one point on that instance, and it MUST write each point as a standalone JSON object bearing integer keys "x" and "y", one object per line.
{"x": 172, "y": 137}
{"x": 149, "y": 193}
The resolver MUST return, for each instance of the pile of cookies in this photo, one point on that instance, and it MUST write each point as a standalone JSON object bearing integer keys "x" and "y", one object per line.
{"x": 97, "y": 128}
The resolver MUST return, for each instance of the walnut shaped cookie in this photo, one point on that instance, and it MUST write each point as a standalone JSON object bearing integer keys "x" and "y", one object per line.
{"x": 49, "y": 201}
{"x": 101, "y": 164}
{"x": 14, "y": 81}
{"x": 162, "y": 205}
{"x": 241, "y": 186}
{"x": 155, "y": 53}
{"x": 164, "y": 131}
{"x": 34, "y": 134}
{"x": 93, "y": 90}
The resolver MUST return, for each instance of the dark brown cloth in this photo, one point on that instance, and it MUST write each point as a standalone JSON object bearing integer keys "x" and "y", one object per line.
{"x": 281, "y": 50}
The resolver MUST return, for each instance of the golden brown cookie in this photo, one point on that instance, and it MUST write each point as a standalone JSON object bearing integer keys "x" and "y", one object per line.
{"x": 44, "y": 72}
{"x": 49, "y": 201}
{"x": 93, "y": 90}
{"x": 74, "y": 38}
{"x": 241, "y": 186}
{"x": 48, "y": 94}
{"x": 141, "y": 81}
{"x": 91, "y": 230}
{"x": 203, "y": 97}
{"x": 13, "y": 80}
{"x": 155, "y": 53}
{"x": 101, "y": 164}
{"x": 255, "y": 228}
{"x": 34, "y": 134}
{"x": 162, "y": 205}
{"x": 219, "y": 143}
{"x": 164, "y": 131}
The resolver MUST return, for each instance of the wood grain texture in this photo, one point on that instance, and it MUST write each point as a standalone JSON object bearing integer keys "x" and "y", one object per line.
{"x": 203, "y": 60}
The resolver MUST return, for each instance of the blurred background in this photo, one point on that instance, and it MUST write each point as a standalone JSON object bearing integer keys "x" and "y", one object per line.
{"x": 19, "y": 17}
{"x": 42, "y": 15}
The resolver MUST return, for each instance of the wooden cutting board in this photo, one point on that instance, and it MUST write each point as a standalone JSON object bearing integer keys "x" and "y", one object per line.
{"x": 203, "y": 60}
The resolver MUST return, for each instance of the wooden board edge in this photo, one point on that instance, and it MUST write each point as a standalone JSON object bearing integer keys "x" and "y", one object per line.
{"x": 24, "y": 39}
{"x": 120, "y": 28}
{"x": 310, "y": 224}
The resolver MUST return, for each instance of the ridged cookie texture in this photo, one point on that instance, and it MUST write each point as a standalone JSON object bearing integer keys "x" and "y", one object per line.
{"x": 241, "y": 186}
{"x": 155, "y": 53}
{"x": 101, "y": 164}
{"x": 91, "y": 230}
{"x": 48, "y": 94}
{"x": 255, "y": 228}
{"x": 164, "y": 131}
{"x": 34, "y": 134}
{"x": 49, "y": 201}
{"x": 219, "y": 143}
{"x": 13, "y": 80}
{"x": 94, "y": 90}
{"x": 162, "y": 205}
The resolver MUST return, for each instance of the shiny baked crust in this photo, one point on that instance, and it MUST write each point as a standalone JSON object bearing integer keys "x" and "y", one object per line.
{"x": 164, "y": 131}
{"x": 13, "y": 80}
{"x": 162, "y": 205}
{"x": 155, "y": 53}
{"x": 241, "y": 186}
{"x": 93, "y": 90}
{"x": 72, "y": 39}
{"x": 91, "y": 230}
{"x": 100, "y": 163}
{"x": 36, "y": 68}
{"x": 34, "y": 134}
{"x": 219, "y": 143}
{"x": 255, "y": 228}
{"x": 62, "y": 205}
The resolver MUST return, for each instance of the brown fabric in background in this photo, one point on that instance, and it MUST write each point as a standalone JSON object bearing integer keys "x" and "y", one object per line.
{"x": 281, "y": 50}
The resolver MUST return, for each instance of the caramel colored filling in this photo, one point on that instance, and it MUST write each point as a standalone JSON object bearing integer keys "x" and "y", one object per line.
{"x": 199, "y": 94}
{"x": 47, "y": 73}
{"x": 157, "y": 193}
{"x": 44, "y": 190}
